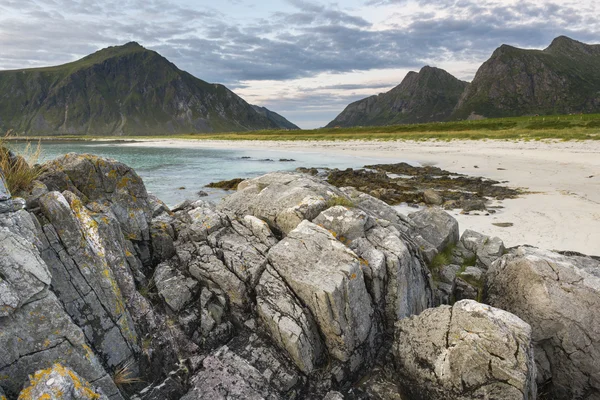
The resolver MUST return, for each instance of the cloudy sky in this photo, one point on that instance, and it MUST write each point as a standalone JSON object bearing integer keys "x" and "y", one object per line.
{"x": 304, "y": 59}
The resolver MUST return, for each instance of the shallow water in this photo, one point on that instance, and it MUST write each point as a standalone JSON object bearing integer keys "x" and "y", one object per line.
{"x": 166, "y": 170}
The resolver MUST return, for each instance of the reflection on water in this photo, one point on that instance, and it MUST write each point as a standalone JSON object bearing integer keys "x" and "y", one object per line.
{"x": 166, "y": 170}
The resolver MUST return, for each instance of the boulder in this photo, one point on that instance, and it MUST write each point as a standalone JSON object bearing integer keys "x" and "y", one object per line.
{"x": 560, "y": 299}
{"x": 486, "y": 249}
{"x": 467, "y": 351}
{"x": 60, "y": 383}
{"x": 435, "y": 226}
{"x": 281, "y": 199}
{"x": 327, "y": 277}
{"x": 227, "y": 376}
{"x": 290, "y": 324}
{"x": 432, "y": 197}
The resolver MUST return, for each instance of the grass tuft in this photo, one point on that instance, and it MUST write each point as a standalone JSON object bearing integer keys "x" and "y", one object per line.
{"x": 122, "y": 375}
{"x": 20, "y": 170}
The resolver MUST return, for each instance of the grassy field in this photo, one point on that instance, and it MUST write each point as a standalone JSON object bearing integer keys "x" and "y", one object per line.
{"x": 561, "y": 127}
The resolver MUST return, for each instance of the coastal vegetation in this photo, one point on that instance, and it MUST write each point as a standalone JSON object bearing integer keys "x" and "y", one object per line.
{"x": 560, "y": 127}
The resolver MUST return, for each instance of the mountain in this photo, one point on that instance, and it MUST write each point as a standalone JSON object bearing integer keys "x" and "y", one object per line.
{"x": 425, "y": 96}
{"x": 280, "y": 121}
{"x": 563, "y": 78}
{"x": 120, "y": 90}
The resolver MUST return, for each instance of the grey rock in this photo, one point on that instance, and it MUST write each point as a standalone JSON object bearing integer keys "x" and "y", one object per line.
{"x": 561, "y": 301}
{"x": 38, "y": 335}
{"x": 12, "y": 205}
{"x": 487, "y": 249}
{"x": 408, "y": 283}
{"x": 473, "y": 205}
{"x": 24, "y": 277}
{"x": 4, "y": 192}
{"x": 447, "y": 273}
{"x": 290, "y": 325}
{"x": 346, "y": 224}
{"x": 33, "y": 193}
{"x": 61, "y": 383}
{"x": 94, "y": 178}
{"x": 177, "y": 290}
{"x": 327, "y": 277}
{"x": 227, "y": 376}
{"x": 430, "y": 196}
{"x": 333, "y": 396}
{"x": 467, "y": 351}
{"x": 83, "y": 279}
{"x": 24, "y": 225}
{"x": 436, "y": 226}
{"x": 281, "y": 199}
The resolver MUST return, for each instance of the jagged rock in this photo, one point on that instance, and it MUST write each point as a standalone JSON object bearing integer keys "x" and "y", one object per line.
{"x": 4, "y": 192}
{"x": 333, "y": 396}
{"x": 448, "y": 273}
{"x": 469, "y": 284}
{"x": 39, "y": 334}
{"x": 33, "y": 193}
{"x": 436, "y": 226}
{"x": 395, "y": 277}
{"x": 38, "y": 331}
{"x": 177, "y": 290}
{"x": 327, "y": 277}
{"x": 227, "y": 376}
{"x": 467, "y": 351}
{"x": 97, "y": 179}
{"x": 290, "y": 324}
{"x": 487, "y": 249}
{"x": 561, "y": 301}
{"x": 24, "y": 225}
{"x": 281, "y": 199}
{"x": 430, "y": 196}
{"x": 83, "y": 280}
{"x": 24, "y": 277}
{"x": 346, "y": 224}
{"x": 162, "y": 237}
{"x": 59, "y": 383}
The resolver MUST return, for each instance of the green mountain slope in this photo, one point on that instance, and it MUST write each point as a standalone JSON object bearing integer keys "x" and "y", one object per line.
{"x": 564, "y": 78}
{"x": 279, "y": 120}
{"x": 427, "y": 96}
{"x": 121, "y": 90}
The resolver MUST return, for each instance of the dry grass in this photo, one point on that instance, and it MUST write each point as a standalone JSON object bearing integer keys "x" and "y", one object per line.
{"x": 19, "y": 171}
{"x": 122, "y": 375}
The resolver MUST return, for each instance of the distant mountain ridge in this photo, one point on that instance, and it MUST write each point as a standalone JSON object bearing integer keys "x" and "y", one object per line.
{"x": 121, "y": 90}
{"x": 561, "y": 79}
{"x": 428, "y": 95}
{"x": 280, "y": 121}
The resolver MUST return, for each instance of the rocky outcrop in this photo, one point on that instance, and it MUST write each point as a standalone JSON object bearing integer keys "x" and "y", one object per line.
{"x": 559, "y": 297}
{"x": 35, "y": 329}
{"x": 61, "y": 383}
{"x": 291, "y": 288}
{"x": 467, "y": 351}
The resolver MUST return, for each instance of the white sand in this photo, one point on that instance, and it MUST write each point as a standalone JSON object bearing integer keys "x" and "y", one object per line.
{"x": 563, "y": 213}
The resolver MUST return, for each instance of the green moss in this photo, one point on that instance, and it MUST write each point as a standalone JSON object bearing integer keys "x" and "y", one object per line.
{"x": 339, "y": 201}
{"x": 231, "y": 184}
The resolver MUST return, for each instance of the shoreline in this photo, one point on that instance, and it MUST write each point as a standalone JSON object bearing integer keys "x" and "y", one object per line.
{"x": 560, "y": 212}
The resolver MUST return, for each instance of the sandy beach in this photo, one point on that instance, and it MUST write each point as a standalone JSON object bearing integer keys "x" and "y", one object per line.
{"x": 561, "y": 212}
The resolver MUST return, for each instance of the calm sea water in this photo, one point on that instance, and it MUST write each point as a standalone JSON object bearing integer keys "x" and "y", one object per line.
{"x": 166, "y": 171}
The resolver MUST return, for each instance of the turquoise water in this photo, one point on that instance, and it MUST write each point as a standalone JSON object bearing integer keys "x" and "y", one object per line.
{"x": 166, "y": 170}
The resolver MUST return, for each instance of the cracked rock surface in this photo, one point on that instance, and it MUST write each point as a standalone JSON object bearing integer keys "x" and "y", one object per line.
{"x": 466, "y": 351}
{"x": 560, "y": 299}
